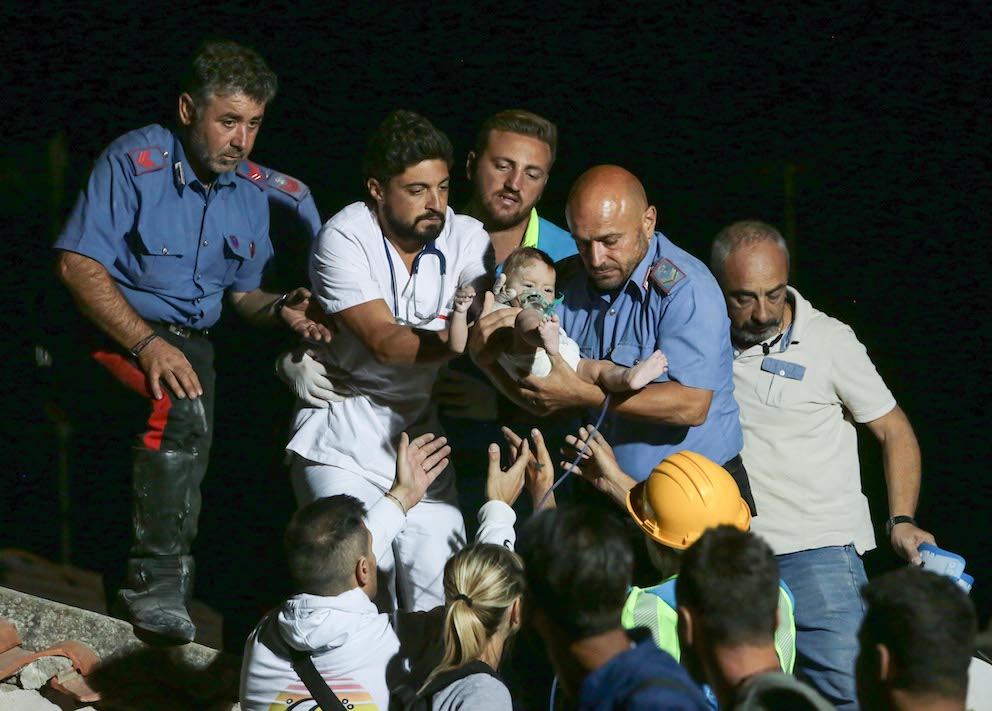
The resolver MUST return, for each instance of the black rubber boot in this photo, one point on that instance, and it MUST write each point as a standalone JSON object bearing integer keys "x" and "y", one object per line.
{"x": 160, "y": 570}
{"x": 156, "y": 602}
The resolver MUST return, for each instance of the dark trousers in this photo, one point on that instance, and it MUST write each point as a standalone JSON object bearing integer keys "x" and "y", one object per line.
{"x": 169, "y": 445}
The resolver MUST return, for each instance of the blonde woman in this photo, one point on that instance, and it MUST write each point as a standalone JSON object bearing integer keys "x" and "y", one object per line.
{"x": 482, "y": 588}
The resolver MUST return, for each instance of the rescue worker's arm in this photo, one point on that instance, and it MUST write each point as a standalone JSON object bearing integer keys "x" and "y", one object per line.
{"x": 264, "y": 309}
{"x": 901, "y": 459}
{"x": 375, "y": 326}
{"x": 599, "y": 465}
{"x": 669, "y": 403}
{"x": 101, "y": 302}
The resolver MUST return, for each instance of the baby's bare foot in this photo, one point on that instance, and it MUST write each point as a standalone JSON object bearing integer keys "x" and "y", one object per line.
{"x": 549, "y": 334}
{"x": 646, "y": 371}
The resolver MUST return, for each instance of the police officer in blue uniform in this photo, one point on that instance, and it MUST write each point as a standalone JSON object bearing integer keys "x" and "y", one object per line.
{"x": 628, "y": 292}
{"x": 167, "y": 223}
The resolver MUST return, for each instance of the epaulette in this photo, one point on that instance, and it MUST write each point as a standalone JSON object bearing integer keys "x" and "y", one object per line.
{"x": 147, "y": 160}
{"x": 289, "y": 185}
{"x": 252, "y": 173}
{"x": 664, "y": 275}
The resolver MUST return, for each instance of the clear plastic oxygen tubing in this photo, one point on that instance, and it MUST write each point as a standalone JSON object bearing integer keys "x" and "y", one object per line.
{"x": 554, "y": 688}
{"x": 571, "y": 467}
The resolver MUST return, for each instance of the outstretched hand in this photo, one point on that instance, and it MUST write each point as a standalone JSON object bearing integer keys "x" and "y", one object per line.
{"x": 296, "y": 313}
{"x": 506, "y": 485}
{"x": 540, "y": 474}
{"x": 598, "y": 464}
{"x": 418, "y": 464}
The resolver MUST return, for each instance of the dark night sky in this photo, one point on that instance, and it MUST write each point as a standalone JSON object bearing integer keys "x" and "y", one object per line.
{"x": 882, "y": 111}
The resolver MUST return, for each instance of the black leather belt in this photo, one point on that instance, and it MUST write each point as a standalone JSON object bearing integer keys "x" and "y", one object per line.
{"x": 185, "y": 331}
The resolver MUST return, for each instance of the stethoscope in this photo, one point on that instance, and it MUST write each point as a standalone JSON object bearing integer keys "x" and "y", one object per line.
{"x": 429, "y": 249}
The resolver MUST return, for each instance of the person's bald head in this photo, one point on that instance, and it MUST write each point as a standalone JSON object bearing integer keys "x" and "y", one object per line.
{"x": 612, "y": 224}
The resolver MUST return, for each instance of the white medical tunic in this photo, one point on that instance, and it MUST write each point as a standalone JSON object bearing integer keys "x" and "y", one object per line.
{"x": 349, "y": 266}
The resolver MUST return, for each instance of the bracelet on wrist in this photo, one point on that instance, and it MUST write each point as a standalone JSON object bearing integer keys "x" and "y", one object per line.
{"x": 142, "y": 344}
{"x": 399, "y": 503}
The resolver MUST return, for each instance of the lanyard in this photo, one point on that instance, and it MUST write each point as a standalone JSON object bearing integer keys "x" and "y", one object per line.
{"x": 429, "y": 249}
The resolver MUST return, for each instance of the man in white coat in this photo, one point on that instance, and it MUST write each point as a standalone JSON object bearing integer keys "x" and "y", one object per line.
{"x": 386, "y": 270}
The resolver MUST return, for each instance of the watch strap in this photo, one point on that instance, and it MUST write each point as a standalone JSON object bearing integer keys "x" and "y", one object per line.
{"x": 895, "y": 520}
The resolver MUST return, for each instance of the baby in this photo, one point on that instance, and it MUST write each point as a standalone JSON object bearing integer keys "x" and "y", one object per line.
{"x": 528, "y": 282}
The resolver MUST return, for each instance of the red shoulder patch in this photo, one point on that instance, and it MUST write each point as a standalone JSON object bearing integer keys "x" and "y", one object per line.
{"x": 289, "y": 185}
{"x": 252, "y": 173}
{"x": 147, "y": 160}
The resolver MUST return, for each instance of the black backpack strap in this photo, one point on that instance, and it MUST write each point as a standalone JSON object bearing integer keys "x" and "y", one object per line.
{"x": 445, "y": 679}
{"x": 311, "y": 678}
{"x": 318, "y": 688}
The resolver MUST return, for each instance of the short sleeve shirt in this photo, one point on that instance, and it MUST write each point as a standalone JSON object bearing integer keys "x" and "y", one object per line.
{"x": 350, "y": 265}
{"x": 670, "y": 303}
{"x": 171, "y": 245}
{"x": 800, "y": 451}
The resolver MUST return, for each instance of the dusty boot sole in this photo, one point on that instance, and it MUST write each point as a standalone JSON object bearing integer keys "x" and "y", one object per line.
{"x": 157, "y": 629}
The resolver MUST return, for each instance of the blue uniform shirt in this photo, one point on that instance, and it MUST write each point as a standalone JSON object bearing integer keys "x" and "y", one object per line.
{"x": 171, "y": 246}
{"x": 689, "y": 324}
{"x": 292, "y": 196}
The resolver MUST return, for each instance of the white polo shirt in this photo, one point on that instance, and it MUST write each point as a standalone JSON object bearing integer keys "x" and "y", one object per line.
{"x": 349, "y": 266}
{"x": 800, "y": 451}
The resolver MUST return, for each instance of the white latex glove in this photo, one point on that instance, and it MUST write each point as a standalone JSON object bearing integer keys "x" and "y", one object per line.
{"x": 458, "y": 394}
{"x": 502, "y": 293}
{"x": 307, "y": 377}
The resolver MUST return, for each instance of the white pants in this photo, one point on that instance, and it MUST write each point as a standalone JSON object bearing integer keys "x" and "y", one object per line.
{"x": 434, "y": 532}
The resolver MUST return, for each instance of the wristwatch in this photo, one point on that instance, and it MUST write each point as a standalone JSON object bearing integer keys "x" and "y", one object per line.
{"x": 891, "y": 523}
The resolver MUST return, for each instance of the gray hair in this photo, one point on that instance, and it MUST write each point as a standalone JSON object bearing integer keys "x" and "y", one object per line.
{"x": 744, "y": 232}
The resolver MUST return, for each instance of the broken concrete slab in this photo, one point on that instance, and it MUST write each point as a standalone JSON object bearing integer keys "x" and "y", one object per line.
{"x": 131, "y": 674}
{"x": 36, "y": 674}
{"x": 24, "y": 700}
{"x": 42, "y": 623}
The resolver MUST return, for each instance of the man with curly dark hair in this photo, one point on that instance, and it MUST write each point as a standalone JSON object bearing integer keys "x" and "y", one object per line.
{"x": 386, "y": 270}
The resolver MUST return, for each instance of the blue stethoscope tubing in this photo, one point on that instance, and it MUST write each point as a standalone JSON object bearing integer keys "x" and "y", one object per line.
{"x": 429, "y": 249}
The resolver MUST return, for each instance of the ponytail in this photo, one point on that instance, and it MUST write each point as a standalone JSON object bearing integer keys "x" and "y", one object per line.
{"x": 481, "y": 582}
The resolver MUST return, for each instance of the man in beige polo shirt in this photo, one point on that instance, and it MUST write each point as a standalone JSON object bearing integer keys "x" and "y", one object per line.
{"x": 800, "y": 378}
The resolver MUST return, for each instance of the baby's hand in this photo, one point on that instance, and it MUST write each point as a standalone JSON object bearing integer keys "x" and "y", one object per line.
{"x": 464, "y": 297}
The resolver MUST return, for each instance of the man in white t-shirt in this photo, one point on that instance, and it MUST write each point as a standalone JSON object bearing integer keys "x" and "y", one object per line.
{"x": 802, "y": 380}
{"x": 386, "y": 270}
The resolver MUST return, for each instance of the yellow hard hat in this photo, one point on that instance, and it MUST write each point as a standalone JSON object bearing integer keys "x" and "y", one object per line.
{"x": 685, "y": 495}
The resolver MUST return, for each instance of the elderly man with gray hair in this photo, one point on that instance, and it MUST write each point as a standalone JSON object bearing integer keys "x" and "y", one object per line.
{"x": 802, "y": 380}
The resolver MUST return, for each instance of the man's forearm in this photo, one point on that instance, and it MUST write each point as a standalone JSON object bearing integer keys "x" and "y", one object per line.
{"x": 668, "y": 403}
{"x": 902, "y": 463}
{"x": 100, "y": 300}
{"x": 257, "y": 307}
{"x": 406, "y": 345}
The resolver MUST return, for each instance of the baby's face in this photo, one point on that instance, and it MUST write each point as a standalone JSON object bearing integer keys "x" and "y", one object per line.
{"x": 532, "y": 275}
